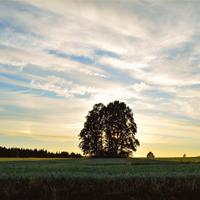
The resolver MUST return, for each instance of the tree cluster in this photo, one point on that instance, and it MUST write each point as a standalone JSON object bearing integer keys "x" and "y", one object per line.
{"x": 35, "y": 153}
{"x": 109, "y": 131}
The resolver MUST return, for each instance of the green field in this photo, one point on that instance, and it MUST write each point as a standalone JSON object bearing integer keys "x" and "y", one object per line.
{"x": 136, "y": 178}
{"x": 98, "y": 168}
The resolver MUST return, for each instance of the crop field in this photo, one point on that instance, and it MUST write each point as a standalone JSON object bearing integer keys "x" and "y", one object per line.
{"x": 134, "y": 178}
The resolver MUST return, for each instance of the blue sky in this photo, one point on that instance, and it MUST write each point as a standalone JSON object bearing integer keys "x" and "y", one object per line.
{"x": 59, "y": 58}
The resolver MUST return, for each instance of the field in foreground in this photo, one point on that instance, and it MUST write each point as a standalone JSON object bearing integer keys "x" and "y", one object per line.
{"x": 164, "y": 178}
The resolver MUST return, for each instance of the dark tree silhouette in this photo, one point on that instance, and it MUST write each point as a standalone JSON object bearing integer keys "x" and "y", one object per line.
{"x": 120, "y": 128}
{"x": 35, "y": 153}
{"x": 91, "y": 134}
{"x": 150, "y": 155}
{"x": 109, "y": 131}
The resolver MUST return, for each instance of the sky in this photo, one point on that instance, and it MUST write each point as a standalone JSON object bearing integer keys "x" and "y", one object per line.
{"x": 58, "y": 58}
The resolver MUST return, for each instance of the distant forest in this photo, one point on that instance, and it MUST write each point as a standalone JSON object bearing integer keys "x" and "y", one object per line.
{"x": 35, "y": 153}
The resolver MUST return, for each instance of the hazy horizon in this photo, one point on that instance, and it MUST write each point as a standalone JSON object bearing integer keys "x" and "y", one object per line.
{"x": 59, "y": 58}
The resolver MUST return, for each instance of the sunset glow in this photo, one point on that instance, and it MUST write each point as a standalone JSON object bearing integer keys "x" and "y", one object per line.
{"x": 59, "y": 58}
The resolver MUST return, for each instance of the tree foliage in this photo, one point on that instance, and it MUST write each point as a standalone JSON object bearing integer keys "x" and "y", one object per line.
{"x": 109, "y": 131}
{"x": 150, "y": 155}
{"x": 35, "y": 153}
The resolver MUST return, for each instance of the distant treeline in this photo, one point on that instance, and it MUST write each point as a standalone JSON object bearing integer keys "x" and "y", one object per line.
{"x": 35, "y": 153}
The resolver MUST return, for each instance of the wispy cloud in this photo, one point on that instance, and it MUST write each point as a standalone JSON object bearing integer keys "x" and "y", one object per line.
{"x": 59, "y": 58}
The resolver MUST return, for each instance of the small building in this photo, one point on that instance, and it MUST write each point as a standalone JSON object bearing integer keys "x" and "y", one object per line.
{"x": 150, "y": 155}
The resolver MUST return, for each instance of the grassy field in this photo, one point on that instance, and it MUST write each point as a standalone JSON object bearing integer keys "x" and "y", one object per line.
{"x": 137, "y": 178}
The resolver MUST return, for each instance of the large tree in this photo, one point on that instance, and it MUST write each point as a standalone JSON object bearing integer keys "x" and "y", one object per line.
{"x": 91, "y": 134}
{"x": 109, "y": 131}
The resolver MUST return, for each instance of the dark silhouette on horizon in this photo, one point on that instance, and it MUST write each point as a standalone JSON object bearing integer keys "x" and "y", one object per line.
{"x": 109, "y": 131}
{"x": 150, "y": 155}
{"x": 35, "y": 153}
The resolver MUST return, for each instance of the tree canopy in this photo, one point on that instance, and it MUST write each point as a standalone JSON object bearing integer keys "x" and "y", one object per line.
{"x": 150, "y": 155}
{"x": 109, "y": 131}
{"x": 35, "y": 153}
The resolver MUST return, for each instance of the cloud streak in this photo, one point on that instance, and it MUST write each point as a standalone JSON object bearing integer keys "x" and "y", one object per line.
{"x": 59, "y": 58}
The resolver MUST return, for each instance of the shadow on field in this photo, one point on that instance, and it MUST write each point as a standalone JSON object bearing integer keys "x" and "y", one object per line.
{"x": 140, "y": 161}
{"x": 87, "y": 189}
